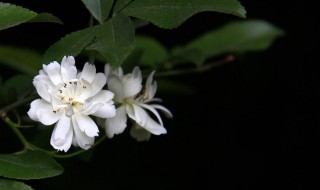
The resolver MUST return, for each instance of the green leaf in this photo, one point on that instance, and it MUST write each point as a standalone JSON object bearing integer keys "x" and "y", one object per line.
{"x": 46, "y": 17}
{"x": 99, "y": 9}
{"x": 115, "y": 39}
{"x": 21, "y": 85}
{"x": 106, "y": 6}
{"x": 119, "y": 5}
{"x": 94, "y": 8}
{"x": 180, "y": 55}
{"x": 12, "y": 15}
{"x": 71, "y": 44}
{"x": 22, "y": 59}
{"x": 6, "y": 184}
{"x": 29, "y": 165}
{"x": 171, "y": 13}
{"x": 153, "y": 52}
{"x": 238, "y": 36}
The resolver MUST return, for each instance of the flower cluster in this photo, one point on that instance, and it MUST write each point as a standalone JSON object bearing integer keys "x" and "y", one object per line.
{"x": 69, "y": 98}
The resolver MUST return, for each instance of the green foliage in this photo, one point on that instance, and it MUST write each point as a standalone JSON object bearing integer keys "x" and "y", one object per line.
{"x": 99, "y": 9}
{"x": 71, "y": 44}
{"x": 106, "y": 6}
{"x": 119, "y": 5}
{"x": 20, "y": 85}
{"x": 112, "y": 39}
{"x": 152, "y": 52}
{"x": 45, "y": 17}
{"x": 240, "y": 36}
{"x": 171, "y": 13}
{"x": 12, "y": 15}
{"x": 94, "y": 8}
{"x": 21, "y": 59}
{"x": 6, "y": 184}
{"x": 29, "y": 165}
{"x": 181, "y": 56}
{"x": 115, "y": 39}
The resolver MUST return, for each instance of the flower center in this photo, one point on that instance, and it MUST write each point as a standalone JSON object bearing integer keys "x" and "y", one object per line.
{"x": 70, "y": 96}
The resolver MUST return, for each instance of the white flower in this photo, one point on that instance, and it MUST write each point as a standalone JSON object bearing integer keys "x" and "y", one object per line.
{"x": 67, "y": 99}
{"x": 133, "y": 102}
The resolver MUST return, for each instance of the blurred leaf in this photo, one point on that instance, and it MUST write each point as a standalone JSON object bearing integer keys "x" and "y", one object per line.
{"x": 46, "y": 17}
{"x": 187, "y": 56}
{"x": 21, "y": 85}
{"x": 94, "y": 8}
{"x": 154, "y": 53}
{"x": 6, "y": 184}
{"x": 71, "y": 44}
{"x": 132, "y": 60}
{"x": 115, "y": 39}
{"x": 171, "y": 13}
{"x": 12, "y": 15}
{"x": 22, "y": 59}
{"x": 238, "y": 36}
{"x": 29, "y": 165}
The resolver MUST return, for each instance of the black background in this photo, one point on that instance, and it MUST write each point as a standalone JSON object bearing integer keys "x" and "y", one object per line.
{"x": 247, "y": 127}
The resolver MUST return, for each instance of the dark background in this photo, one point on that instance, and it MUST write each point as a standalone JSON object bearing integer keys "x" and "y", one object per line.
{"x": 250, "y": 124}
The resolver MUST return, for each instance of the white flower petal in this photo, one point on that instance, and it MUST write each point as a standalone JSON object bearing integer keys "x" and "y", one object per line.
{"x": 65, "y": 146}
{"x": 86, "y": 92}
{"x": 139, "y": 133}
{"x": 62, "y": 128}
{"x": 42, "y": 78}
{"x": 151, "y": 88}
{"x": 43, "y": 90}
{"x": 34, "y": 107}
{"x": 47, "y": 117}
{"x": 137, "y": 113}
{"x": 42, "y": 72}
{"x": 115, "y": 85}
{"x": 105, "y": 111}
{"x": 154, "y": 111}
{"x": 98, "y": 83}
{"x": 153, "y": 127}
{"x": 163, "y": 109}
{"x": 68, "y": 70}
{"x": 41, "y": 111}
{"x": 88, "y": 72}
{"x": 62, "y": 134}
{"x": 54, "y": 72}
{"x": 86, "y": 125}
{"x": 117, "y": 124}
{"x": 104, "y": 97}
{"x": 81, "y": 139}
{"x": 132, "y": 83}
{"x": 109, "y": 71}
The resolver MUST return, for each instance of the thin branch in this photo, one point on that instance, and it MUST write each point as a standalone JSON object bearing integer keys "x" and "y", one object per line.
{"x": 205, "y": 68}
{"x": 16, "y": 104}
